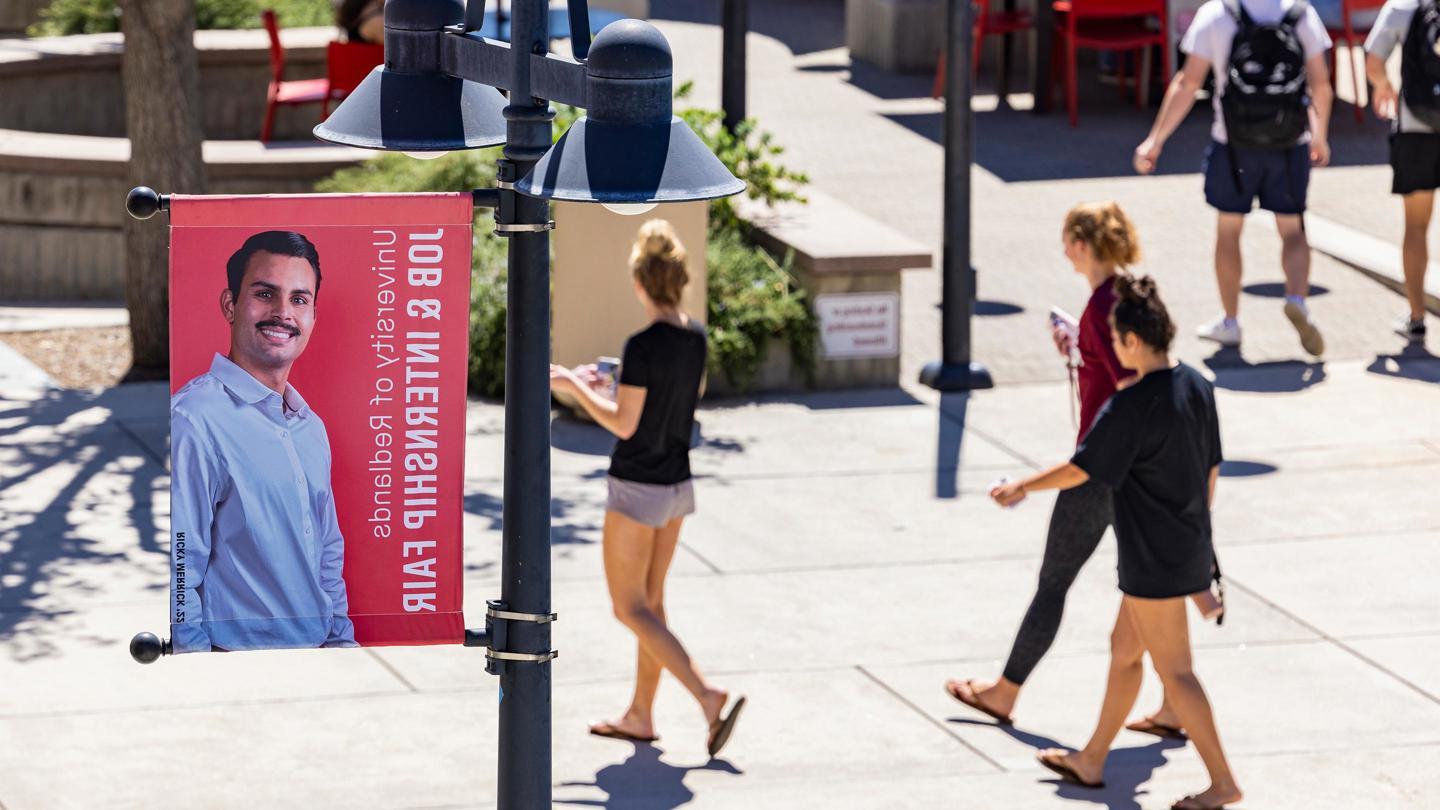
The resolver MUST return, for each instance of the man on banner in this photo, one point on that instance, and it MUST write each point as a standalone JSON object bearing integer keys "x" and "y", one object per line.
{"x": 257, "y": 546}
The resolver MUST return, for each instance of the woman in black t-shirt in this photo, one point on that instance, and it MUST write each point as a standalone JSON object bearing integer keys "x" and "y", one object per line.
{"x": 650, "y": 490}
{"x": 1156, "y": 444}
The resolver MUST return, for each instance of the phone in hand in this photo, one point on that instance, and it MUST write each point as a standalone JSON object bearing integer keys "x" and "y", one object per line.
{"x": 1070, "y": 327}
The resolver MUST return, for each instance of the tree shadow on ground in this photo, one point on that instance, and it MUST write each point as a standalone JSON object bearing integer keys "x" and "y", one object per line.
{"x": 1414, "y": 362}
{"x": 1234, "y": 373}
{"x": 1126, "y": 769}
{"x": 565, "y": 528}
{"x": 73, "y": 468}
{"x": 574, "y": 435}
{"x": 643, "y": 782}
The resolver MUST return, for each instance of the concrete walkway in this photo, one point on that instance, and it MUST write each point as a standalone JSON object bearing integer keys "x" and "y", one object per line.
{"x": 844, "y": 560}
{"x": 843, "y": 563}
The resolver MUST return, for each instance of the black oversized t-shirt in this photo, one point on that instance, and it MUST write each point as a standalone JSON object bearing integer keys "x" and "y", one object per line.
{"x": 668, "y": 362}
{"x": 1154, "y": 444}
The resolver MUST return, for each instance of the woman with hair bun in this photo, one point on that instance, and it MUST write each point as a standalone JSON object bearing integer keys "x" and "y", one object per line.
{"x": 650, "y": 490}
{"x": 1099, "y": 241}
{"x": 1156, "y": 444}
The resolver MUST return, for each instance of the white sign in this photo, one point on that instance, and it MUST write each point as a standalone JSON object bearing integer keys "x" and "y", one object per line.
{"x": 859, "y": 324}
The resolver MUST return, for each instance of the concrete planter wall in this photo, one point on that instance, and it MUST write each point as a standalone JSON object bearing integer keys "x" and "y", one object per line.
{"x": 62, "y": 205}
{"x": 71, "y": 85}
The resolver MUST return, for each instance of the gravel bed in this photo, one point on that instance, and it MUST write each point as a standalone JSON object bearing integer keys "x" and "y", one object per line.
{"x": 77, "y": 358}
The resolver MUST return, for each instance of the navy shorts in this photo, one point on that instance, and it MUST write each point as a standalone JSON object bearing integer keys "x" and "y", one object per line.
{"x": 1415, "y": 159}
{"x": 1280, "y": 179}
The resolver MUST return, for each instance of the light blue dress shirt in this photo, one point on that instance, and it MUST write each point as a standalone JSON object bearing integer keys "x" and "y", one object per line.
{"x": 256, "y": 547}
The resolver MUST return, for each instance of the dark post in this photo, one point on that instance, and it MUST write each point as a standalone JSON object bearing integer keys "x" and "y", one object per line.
{"x": 524, "y": 756}
{"x": 735, "y": 23}
{"x": 1040, "y": 56}
{"x": 955, "y": 371}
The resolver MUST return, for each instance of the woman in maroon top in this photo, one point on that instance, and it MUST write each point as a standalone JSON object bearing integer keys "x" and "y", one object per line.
{"x": 1099, "y": 241}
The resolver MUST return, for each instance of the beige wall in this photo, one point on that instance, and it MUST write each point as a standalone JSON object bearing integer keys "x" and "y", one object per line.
{"x": 594, "y": 300}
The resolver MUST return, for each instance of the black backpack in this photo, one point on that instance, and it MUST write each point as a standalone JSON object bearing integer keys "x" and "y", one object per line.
{"x": 1420, "y": 65}
{"x": 1265, "y": 100}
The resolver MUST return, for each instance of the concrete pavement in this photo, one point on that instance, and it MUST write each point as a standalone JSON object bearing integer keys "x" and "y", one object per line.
{"x": 843, "y": 563}
{"x": 844, "y": 560}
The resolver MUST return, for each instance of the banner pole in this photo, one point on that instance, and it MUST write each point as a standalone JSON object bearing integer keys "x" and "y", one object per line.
{"x": 524, "y": 761}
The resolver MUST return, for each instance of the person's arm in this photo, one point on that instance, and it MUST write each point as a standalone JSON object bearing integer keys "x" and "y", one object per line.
{"x": 1317, "y": 78}
{"x": 332, "y": 580}
{"x": 1383, "y": 93}
{"x": 620, "y": 416}
{"x": 194, "y": 489}
{"x": 1179, "y": 98}
{"x": 1062, "y": 476}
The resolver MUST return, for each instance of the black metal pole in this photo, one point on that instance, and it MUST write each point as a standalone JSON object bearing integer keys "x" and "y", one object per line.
{"x": 1040, "y": 55}
{"x": 955, "y": 371}
{"x": 524, "y": 756}
{"x": 735, "y": 23}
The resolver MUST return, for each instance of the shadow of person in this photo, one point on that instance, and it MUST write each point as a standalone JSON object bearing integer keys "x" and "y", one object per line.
{"x": 644, "y": 782}
{"x": 1234, "y": 373}
{"x": 1414, "y": 362}
{"x": 1126, "y": 769}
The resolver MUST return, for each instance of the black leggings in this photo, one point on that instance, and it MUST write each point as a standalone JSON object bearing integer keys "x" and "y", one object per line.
{"x": 1078, "y": 522}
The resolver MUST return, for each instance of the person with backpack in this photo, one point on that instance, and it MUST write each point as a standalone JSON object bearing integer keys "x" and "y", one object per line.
{"x": 1272, "y": 110}
{"x": 1414, "y": 25}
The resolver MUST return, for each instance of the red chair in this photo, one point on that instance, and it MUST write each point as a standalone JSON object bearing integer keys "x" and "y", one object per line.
{"x": 281, "y": 92}
{"x": 1108, "y": 25}
{"x": 1354, "y": 38}
{"x": 346, "y": 65}
{"x": 987, "y": 24}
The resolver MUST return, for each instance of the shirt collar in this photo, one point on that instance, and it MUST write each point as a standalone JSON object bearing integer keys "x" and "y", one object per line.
{"x": 249, "y": 390}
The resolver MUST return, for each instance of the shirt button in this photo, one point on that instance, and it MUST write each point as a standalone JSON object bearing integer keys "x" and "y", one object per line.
{"x": 307, "y": 529}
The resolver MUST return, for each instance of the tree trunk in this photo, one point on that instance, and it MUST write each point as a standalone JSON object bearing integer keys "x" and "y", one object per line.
{"x": 161, "y": 79}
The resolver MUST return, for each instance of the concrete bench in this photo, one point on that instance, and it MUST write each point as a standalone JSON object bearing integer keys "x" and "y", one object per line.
{"x": 850, "y": 265}
{"x": 62, "y": 204}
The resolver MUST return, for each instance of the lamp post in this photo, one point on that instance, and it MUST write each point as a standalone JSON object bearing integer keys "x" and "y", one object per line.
{"x": 628, "y": 152}
{"x": 955, "y": 371}
{"x": 735, "y": 23}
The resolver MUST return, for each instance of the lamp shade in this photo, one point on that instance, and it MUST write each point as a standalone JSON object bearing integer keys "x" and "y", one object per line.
{"x": 611, "y": 162}
{"x": 629, "y": 147}
{"x": 416, "y": 112}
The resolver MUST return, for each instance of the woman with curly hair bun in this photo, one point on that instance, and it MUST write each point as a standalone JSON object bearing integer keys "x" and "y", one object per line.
{"x": 650, "y": 491}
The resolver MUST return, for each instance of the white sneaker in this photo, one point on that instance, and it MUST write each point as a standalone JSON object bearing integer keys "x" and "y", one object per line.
{"x": 1222, "y": 331}
{"x": 1410, "y": 329}
{"x": 1310, "y": 338}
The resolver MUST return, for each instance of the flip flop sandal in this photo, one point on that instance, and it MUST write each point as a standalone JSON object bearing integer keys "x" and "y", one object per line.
{"x": 720, "y": 729}
{"x": 1067, "y": 773}
{"x": 610, "y": 731}
{"x": 1164, "y": 732}
{"x": 974, "y": 702}
{"x": 1196, "y": 806}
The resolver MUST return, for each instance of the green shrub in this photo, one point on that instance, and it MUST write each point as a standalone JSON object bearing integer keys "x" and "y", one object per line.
{"x": 64, "y": 17}
{"x": 752, "y": 299}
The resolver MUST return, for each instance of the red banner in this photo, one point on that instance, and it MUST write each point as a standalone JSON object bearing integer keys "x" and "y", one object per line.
{"x": 318, "y": 363}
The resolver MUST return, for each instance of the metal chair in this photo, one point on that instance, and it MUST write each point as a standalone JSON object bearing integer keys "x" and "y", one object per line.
{"x": 1108, "y": 25}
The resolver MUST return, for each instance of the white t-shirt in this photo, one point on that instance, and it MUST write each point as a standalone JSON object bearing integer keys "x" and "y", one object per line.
{"x": 1213, "y": 30}
{"x": 1389, "y": 32}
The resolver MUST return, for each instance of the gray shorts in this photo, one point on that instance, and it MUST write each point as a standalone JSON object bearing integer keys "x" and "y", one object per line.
{"x": 651, "y": 504}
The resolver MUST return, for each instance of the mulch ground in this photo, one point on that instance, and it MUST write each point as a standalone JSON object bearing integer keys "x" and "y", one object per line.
{"x": 77, "y": 358}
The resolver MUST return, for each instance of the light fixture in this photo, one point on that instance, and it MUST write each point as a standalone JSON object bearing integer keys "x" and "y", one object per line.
{"x": 629, "y": 148}
{"x": 630, "y": 209}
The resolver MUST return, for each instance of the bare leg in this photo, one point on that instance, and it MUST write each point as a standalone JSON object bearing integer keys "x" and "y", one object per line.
{"x": 647, "y": 668}
{"x": 1418, "y": 207}
{"x": 1227, "y": 261}
{"x": 1127, "y": 654}
{"x": 1294, "y": 254}
{"x": 629, "y": 549}
{"x": 1166, "y": 635}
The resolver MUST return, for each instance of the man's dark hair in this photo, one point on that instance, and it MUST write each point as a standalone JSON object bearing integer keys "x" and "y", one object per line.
{"x": 1139, "y": 311}
{"x": 281, "y": 243}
